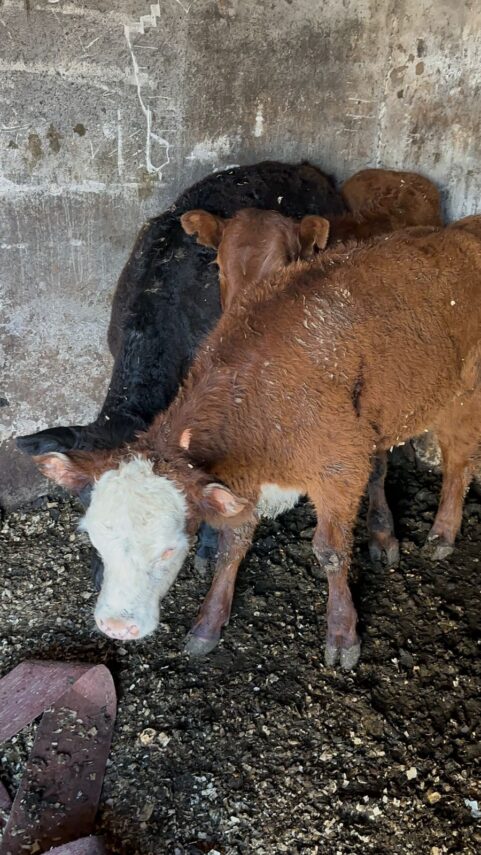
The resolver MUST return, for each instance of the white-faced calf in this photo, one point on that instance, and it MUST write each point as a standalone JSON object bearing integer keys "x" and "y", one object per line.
{"x": 167, "y": 300}
{"x": 293, "y": 393}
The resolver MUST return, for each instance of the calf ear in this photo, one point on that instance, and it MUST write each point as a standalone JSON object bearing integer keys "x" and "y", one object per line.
{"x": 313, "y": 234}
{"x": 208, "y": 227}
{"x": 185, "y": 439}
{"x": 73, "y": 471}
{"x": 220, "y": 500}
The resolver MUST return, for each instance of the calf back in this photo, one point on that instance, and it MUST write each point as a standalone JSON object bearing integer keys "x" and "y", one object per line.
{"x": 365, "y": 347}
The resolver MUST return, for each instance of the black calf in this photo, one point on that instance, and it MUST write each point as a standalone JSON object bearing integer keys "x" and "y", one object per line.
{"x": 167, "y": 300}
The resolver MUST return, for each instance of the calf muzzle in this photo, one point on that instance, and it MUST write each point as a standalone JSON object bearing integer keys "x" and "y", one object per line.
{"x": 120, "y": 628}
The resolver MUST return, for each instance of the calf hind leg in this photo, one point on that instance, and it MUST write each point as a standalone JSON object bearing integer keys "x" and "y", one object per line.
{"x": 383, "y": 545}
{"x": 459, "y": 435}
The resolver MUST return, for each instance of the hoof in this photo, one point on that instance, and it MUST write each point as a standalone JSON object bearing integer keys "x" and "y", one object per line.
{"x": 347, "y": 657}
{"x": 196, "y": 646}
{"x": 437, "y": 548}
{"x": 386, "y": 553}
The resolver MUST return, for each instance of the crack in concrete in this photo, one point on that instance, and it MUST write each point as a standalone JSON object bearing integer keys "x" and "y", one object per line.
{"x": 150, "y": 136}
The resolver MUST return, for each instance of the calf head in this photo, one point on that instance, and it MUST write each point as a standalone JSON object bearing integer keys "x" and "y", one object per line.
{"x": 140, "y": 523}
{"x": 254, "y": 244}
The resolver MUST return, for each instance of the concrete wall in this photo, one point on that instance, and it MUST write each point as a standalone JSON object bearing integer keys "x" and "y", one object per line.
{"x": 108, "y": 109}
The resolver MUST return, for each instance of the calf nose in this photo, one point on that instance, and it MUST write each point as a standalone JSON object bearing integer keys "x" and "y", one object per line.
{"x": 118, "y": 628}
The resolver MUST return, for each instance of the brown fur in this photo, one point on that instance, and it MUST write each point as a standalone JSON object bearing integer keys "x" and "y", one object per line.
{"x": 342, "y": 298}
{"x": 302, "y": 382}
{"x": 255, "y": 244}
{"x": 419, "y": 199}
{"x": 270, "y": 399}
{"x": 78, "y": 469}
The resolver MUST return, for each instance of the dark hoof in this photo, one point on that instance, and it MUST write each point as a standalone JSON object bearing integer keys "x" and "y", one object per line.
{"x": 347, "y": 657}
{"x": 385, "y": 552}
{"x": 437, "y": 548}
{"x": 196, "y": 646}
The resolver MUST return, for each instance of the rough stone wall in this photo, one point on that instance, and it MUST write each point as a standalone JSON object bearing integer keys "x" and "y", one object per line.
{"x": 108, "y": 109}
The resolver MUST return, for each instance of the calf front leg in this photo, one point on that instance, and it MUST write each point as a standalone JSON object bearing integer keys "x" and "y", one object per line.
{"x": 332, "y": 548}
{"x": 383, "y": 545}
{"x": 215, "y": 610}
{"x": 337, "y": 502}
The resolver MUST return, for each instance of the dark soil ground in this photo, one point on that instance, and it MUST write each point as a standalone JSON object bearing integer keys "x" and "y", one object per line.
{"x": 260, "y": 748}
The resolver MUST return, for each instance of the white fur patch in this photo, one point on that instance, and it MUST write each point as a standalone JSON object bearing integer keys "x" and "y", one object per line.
{"x": 274, "y": 500}
{"x": 134, "y": 518}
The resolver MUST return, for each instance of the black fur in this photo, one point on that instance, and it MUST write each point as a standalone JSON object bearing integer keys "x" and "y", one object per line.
{"x": 167, "y": 299}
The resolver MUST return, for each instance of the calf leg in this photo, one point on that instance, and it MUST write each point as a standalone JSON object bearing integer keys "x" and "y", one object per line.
{"x": 383, "y": 545}
{"x": 215, "y": 610}
{"x": 457, "y": 473}
{"x": 459, "y": 435}
{"x": 332, "y": 547}
{"x": 337, "y": 505}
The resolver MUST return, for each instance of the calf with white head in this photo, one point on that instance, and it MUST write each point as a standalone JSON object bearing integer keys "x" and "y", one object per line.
{"x": 293, "y": 393}
{"x": 141, "y": 522}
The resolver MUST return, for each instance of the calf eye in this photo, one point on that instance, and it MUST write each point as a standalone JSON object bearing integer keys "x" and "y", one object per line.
{"x": 167, "y": 553}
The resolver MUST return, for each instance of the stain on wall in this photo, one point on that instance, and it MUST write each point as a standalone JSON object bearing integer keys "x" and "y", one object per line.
{"x": 108, "y": 110}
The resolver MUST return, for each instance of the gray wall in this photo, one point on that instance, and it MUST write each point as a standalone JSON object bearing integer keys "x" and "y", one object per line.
{"x": 108, "y": 109}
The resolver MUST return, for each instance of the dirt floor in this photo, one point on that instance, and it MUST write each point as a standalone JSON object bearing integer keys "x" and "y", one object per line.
{"x": 260, "y": 748}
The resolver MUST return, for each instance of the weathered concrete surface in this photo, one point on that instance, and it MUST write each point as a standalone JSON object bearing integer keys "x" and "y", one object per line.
{"x": 106, "y": 115}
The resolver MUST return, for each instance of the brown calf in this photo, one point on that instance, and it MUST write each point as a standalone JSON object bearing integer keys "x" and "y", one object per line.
{"x": 255, "y": 244}
{"x": 419, "y": 202}
{"x": 295, "y": 391}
